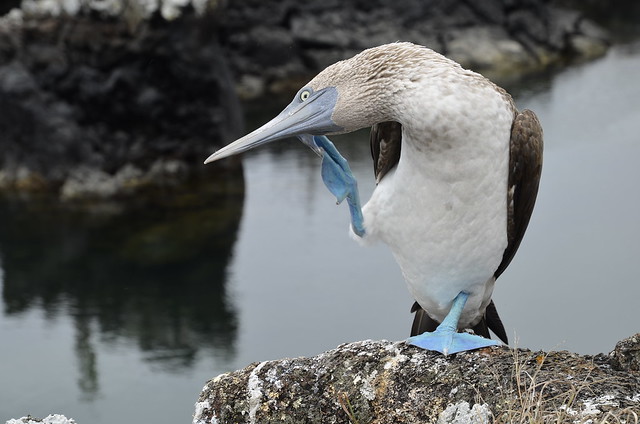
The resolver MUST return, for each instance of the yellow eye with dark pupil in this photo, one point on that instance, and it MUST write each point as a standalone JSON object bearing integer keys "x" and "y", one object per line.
{"x": 305, "y": 95}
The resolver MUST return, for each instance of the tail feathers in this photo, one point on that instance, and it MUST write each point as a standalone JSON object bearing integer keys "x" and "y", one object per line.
{"x": 422, "y": 322}
{"x": 481, "y": 329}
{"x": 495, "y": 323}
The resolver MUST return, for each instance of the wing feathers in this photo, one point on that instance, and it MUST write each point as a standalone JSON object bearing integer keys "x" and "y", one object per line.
{"x": 385, "y": 139}
{"x": 525, "y": 167}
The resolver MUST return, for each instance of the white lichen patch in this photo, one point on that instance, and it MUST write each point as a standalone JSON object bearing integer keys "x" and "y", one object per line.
{"x": 436, "y": 366}
{"x": 635, "y": 398}
{"x": 367, "y": 390}
{"x": 394, "y": 362}
{"x": 462, "y": 413}
{"x": 50, "y": 419}
{"x": 608, "y": 400}
{"x": 200, "y": 408}
{"x": 591, "y": 407}
{"x": 569, "y": 410}
{"x": 254, "y": 391}
{"x": 217, "y": 378}
{"x": 361, "y": 348}
{"x": 273, "y": 378}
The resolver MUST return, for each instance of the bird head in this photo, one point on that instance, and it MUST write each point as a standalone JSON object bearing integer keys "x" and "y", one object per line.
{"x": 346, "y": 96}
{"x": 309, "y": 113}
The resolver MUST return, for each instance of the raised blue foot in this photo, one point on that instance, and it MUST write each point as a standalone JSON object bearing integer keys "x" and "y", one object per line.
{"x": 446, "y": 339}
{"x": 339, "y": 179}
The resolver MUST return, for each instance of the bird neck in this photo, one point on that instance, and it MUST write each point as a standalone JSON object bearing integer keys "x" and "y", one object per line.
{"x": 451, "y": 122}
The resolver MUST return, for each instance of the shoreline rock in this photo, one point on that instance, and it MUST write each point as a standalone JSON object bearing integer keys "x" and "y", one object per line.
{"x": 274, "y": 46}
{"x": 50, "y": 419}
{"x": 387, "y": 382}
{"x": 105, "y": 99}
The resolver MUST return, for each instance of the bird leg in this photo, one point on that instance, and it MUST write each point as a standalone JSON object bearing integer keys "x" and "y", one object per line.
{"x": 339, "y": 179}
{"x": 446, "y": 339}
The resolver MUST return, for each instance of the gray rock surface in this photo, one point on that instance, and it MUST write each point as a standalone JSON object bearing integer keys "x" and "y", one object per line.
{"x": 97, "y": 95}
{"x": 50, "y": 419}
{"x": 626, "y": 355}
{"x": 391, "y": 382}
{"x": 94, "y": 104}
{"x": 275, "y": 39}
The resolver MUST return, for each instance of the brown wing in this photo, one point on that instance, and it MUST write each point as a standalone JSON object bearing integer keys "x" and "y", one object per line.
{"x": 385, "y": 139}
{"x": 525, "y": 166}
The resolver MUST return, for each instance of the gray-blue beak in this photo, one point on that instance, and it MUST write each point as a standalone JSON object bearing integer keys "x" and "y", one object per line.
{"x": 308, "y": 114}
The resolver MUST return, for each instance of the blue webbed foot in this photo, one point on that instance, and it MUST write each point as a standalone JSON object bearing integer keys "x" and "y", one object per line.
{"x": 339, "y": 179}
{"x": 336, "y": 173}
{"x": 445, "y": 339}
{"x": 448, "y": 342}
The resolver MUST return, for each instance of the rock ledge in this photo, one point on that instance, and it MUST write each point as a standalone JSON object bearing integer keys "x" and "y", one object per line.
{"x": 391, "y": 382}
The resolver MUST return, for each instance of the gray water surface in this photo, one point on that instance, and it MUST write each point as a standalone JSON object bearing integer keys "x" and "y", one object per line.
{"x": 105, "y": 335}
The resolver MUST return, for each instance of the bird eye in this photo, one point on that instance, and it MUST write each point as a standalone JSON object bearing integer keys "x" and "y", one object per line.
{"x": 304, "y": 95}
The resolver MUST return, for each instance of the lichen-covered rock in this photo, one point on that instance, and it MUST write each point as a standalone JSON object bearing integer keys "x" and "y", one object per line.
{"x": 50, "y": 419}
{"x": 626, "y": 355}
{"x": 390, "y": 382}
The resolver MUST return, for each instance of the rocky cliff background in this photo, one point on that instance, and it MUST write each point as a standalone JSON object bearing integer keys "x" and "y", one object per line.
{"x": 104, "y": 99}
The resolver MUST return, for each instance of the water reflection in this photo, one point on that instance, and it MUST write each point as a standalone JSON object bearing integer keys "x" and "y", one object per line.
{"x": 152, "y": 275}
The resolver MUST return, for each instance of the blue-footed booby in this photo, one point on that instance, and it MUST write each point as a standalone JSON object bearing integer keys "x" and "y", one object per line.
{"x": 457, "y": 170}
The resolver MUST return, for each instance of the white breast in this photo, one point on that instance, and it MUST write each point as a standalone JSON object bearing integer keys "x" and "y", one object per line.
{"x": 443, "y": 210}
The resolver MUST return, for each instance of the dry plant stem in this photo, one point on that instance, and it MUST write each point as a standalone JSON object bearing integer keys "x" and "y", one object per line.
{"x": 530, "y": 405}
{"x": 343, "y": 399}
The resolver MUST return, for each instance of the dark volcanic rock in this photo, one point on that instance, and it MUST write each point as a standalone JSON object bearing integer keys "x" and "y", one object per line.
{"x": 94, "y": 104}
{"x": 97, "y": 97}
{"x": 274, "y": 39}
{"x": 385, "y": 382}
{"x": 626, "y": 355}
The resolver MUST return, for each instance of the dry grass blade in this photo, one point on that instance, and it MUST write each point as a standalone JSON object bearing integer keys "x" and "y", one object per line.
{"x": 626, "y": 416}
{"x": 543, "y": 389}
{"x": 533, "y": 400}
{"x": 343, "y": 399}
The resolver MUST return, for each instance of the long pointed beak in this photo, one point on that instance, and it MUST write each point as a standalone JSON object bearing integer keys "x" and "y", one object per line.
{"x": 299, "y": 118}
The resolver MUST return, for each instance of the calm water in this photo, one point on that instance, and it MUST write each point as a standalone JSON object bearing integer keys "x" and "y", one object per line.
{"x": 123, "y": 318}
